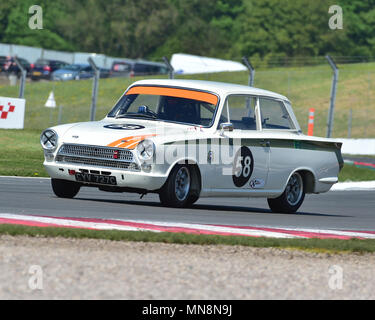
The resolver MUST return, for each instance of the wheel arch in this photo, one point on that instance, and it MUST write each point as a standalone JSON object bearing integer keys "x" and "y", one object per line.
{"x": 194, "y": 170}
{"x": 308, "y": 177}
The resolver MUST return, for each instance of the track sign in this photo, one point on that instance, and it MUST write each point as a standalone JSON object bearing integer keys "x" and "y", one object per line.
{"x": 12, "y": 113}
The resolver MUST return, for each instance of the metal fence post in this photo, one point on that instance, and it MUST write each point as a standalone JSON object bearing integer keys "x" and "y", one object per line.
{"x": 249, "y": 66}
{"x": 23, "y": 78}
{"x": 95, "y": 86}
{"x": 350, "y": 119}
{"x": 169, "y": 66}
{"x": 333, "y": 95}
{"x": 59, "y": 119}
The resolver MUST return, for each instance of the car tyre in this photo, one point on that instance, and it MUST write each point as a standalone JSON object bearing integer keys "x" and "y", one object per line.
{"x": 176, "y": 192}
{"x": 292, "y": 197}
{"x": 64, "y": 188}
{"x": 191, "y": 200}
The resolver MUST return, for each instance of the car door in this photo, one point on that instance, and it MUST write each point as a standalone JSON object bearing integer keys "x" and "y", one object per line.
{"x": 245, "y": 155}
{"x": 279, "y": 129}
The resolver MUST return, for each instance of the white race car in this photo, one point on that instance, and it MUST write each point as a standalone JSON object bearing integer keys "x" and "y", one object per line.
{"x": 186, "y": 139}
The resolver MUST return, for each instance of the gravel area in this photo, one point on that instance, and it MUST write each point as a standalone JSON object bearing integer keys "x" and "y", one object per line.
{"x": 56, "y": 268}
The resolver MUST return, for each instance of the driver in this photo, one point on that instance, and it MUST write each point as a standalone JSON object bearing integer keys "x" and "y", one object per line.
{"x": 179, "y": 109}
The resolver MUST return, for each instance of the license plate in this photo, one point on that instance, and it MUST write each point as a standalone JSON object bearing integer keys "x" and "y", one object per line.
{"x": 95, "y": 178}
{"x": 36, "y": 73}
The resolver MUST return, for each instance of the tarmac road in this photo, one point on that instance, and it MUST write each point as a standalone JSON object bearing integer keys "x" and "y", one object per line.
{"x": 347, "y": 210}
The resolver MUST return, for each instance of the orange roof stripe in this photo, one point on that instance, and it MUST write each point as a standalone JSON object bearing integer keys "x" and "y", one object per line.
{"x": 174, "y": 92}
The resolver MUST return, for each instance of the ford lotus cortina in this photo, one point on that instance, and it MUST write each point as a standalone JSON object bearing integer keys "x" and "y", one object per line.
{"x": 186, "y": 139}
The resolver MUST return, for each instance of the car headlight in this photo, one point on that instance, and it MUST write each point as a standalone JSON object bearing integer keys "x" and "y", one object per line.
{"x": 145, "y": 150}
{"x": 48, "y": 140}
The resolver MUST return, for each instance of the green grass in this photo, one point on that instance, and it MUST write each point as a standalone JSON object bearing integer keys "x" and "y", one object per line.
{"x": 315, "y": 245}
{"x": 306, "y": 87}
{"x": 354, "y": 173}
{"x": 22, "y": 155}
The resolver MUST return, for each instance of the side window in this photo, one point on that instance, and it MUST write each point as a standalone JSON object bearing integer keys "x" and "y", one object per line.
{"x": 88, "y": 69}
{"x": 241, "y": 112}
{"x": 274, "y": 115}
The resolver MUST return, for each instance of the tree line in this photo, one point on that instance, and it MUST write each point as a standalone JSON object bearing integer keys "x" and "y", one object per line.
{"x": 260, "y": 29}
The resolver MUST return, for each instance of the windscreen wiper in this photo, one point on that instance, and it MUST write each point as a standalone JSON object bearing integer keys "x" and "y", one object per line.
{"x": 136, "y": 115}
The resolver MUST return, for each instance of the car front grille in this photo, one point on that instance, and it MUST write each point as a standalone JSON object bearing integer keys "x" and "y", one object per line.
{"x": 96, "y": 156}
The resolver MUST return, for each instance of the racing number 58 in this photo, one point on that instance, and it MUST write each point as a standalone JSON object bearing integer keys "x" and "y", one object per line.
{"x": 243, "y": 166}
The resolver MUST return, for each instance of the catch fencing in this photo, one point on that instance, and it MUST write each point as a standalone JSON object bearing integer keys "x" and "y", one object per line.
{"x": 32, "y": 54}
{"x": 307, "y": 82}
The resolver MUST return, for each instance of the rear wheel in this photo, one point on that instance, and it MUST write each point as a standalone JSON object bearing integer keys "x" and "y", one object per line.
{"x": 64, "y": 188}
{"x": 292, "y": 197}
{"x": 177, "y": 191}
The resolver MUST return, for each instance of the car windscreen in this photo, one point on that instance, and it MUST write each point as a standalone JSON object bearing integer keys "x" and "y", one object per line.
{"x": 167, "y": 104}
{"x": 42, "y": 62}
{"x": 72, "y": 67}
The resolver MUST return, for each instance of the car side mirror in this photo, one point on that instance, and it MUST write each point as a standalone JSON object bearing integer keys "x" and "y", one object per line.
{"x": 226, "y": 126}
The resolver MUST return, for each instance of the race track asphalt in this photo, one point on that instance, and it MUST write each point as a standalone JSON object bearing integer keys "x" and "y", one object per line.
{"x": 345, "y": 210}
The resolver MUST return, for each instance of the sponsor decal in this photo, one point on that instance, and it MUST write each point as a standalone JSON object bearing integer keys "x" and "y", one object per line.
{"x": 257, "y": 183}
{"x": 124, "y": 126}
{"x": 129, "y": 142}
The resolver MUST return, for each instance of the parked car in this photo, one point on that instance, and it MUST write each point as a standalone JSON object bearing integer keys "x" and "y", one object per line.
{"x": 78, "y": 72}
{"x": 105, "y": 73}
{"x": 43, "y": 68}
{"x": 3, "y": 60}
{"x": 10, "y": 66}
{"x": 137, "y": 68}
{"x": 73, "y": 72}
{"x": 186, "y": 139}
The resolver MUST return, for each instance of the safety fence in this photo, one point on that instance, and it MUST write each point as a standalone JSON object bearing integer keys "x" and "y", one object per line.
{"x": 306, "y": 85}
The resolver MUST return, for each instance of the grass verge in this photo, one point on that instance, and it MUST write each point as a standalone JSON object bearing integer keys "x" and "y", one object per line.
{"x": 354, "y": 173}
{"x": 315, "y": 245}
{"x": 21, "y": 153}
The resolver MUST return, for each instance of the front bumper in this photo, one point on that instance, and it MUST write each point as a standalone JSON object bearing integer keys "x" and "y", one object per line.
{"x": 147, "y": 181}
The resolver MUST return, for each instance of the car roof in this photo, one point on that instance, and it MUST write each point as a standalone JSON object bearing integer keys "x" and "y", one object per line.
{"x": 78, "y": 65}
{"x": 48, "y": 60}
{"x": 222, "y": 88}
{"x": 143, "y": 62}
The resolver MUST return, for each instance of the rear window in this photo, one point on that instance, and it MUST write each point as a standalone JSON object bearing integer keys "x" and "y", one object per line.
{"x": 274, "y": 115}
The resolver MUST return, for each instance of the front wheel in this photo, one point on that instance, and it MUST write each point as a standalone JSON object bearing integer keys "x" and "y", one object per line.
{"x": 292, "y": 197}
{"x": 64, "y": 188}
{"x": 177, "y": 190}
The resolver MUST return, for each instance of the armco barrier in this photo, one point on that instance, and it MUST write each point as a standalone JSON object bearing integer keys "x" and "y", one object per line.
{"x": 358, "y": 146}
